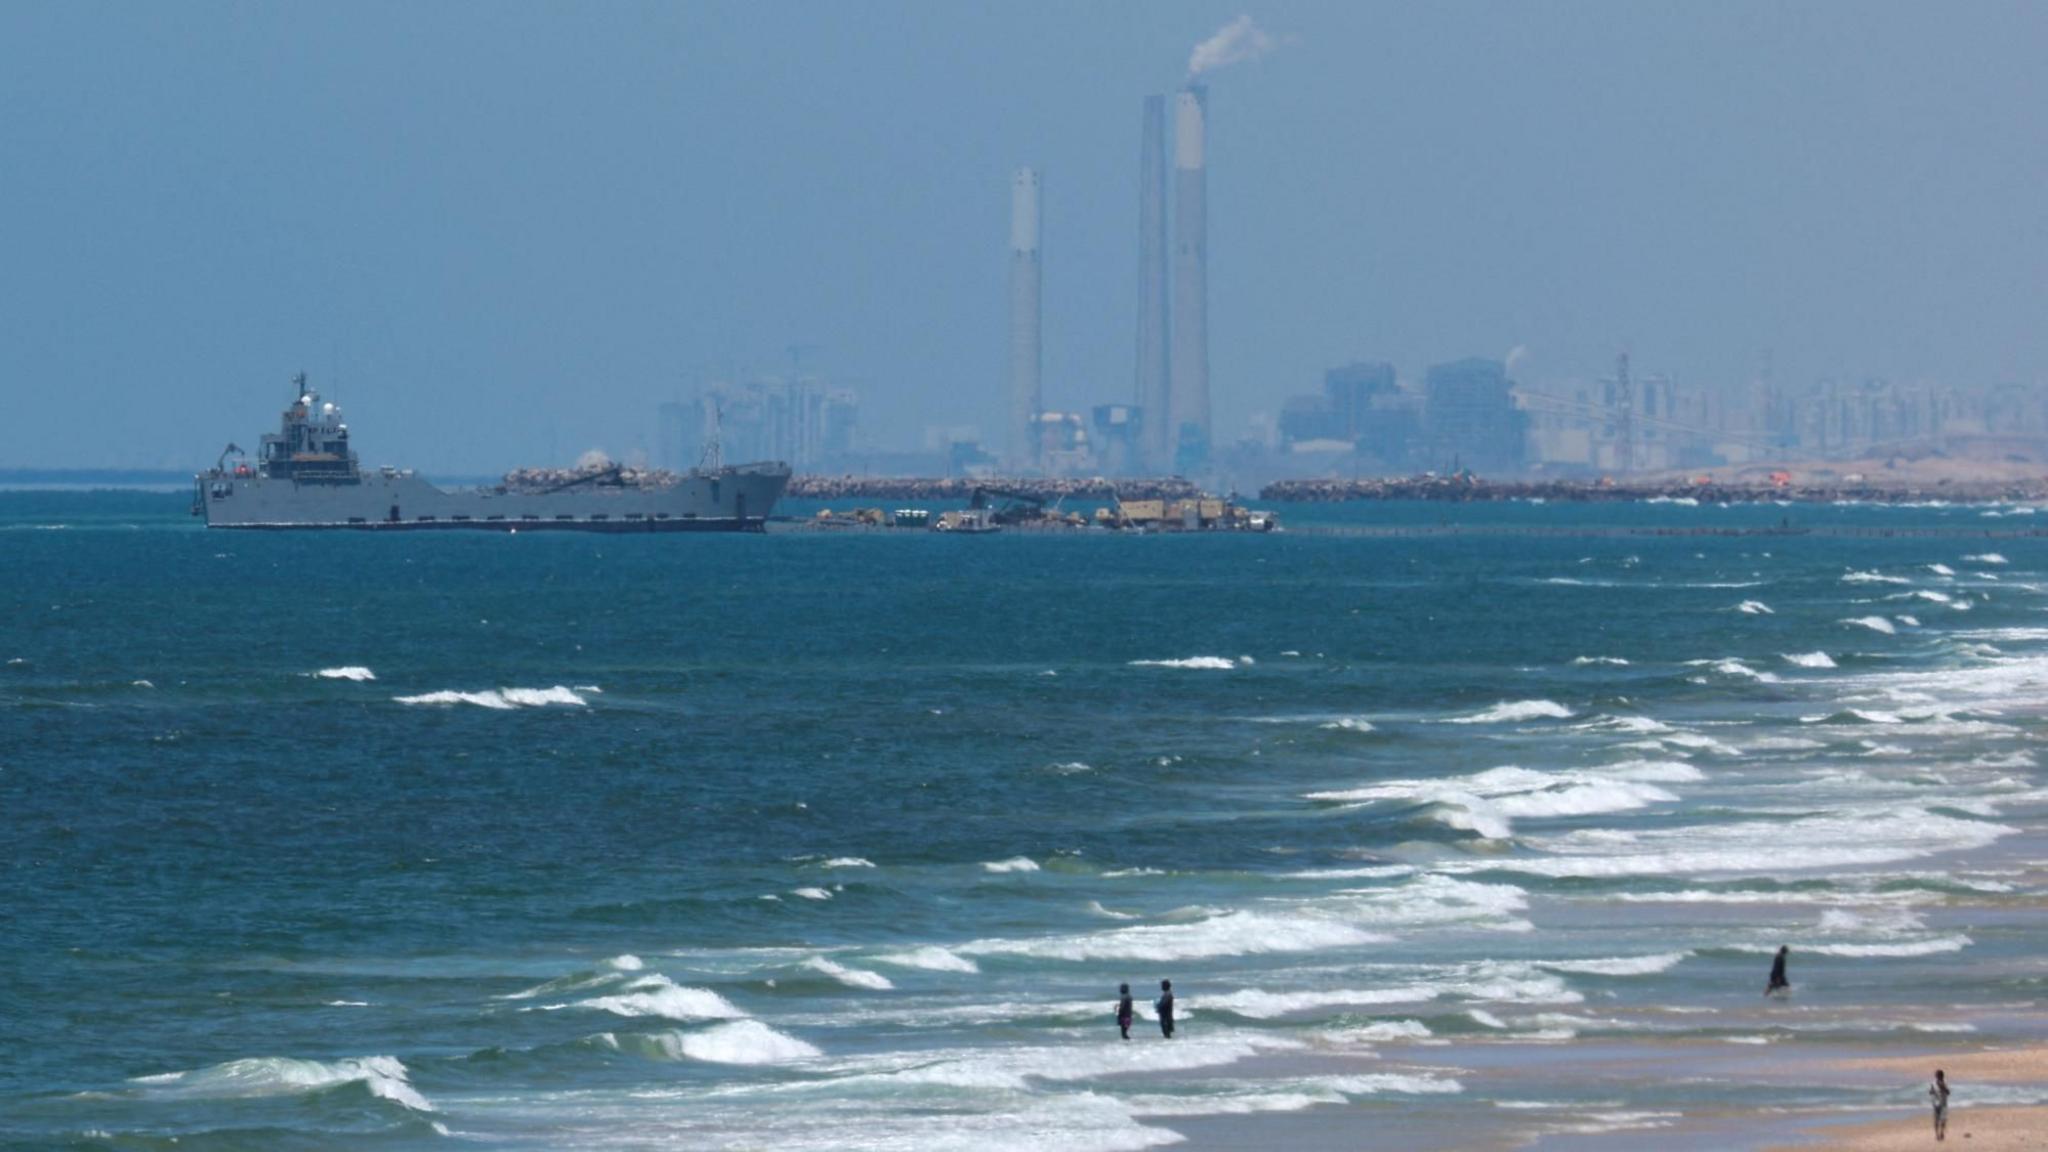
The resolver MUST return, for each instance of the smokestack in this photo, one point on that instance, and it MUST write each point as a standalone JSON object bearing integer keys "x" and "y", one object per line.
{"x": 1189, "y": 405}
{"x": 1025, "y": 399}
{"x": 1156, "y": 435}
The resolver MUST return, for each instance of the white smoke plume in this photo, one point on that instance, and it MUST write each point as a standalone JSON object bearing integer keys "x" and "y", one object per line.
{"x": 1234, "y": 43}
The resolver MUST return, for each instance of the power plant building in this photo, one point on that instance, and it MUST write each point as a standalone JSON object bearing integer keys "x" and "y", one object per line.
{"x": 1026, "y": 393}
{"x": 1188, "y": 404}
{"x": 1156, "y": 432}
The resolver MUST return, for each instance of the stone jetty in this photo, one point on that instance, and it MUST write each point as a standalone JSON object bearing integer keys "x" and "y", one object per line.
{"x": 1467, "y": 489}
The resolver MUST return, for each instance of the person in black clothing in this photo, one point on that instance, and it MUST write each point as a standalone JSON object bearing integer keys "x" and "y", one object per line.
{"x": 1124, "y": 1012}
{"x": 1778, "y": 982}
{"x": 1165, "y": 1006}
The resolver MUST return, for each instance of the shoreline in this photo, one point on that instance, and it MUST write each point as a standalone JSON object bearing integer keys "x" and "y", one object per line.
{"x": 1492, "y": 1072}
{"x": 1990, "y": 1127}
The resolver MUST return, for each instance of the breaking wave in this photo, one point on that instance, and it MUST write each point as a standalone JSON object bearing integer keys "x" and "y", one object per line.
{"x": 354, "y": 672}
{"x": 740, "y": 1042}
{"x": 657, "y": 995}
{"x": 851, "y": 977}
{"x": 1874, "y": 623}
{"x": 500, "y": 699}
{"x": 1216, "y": 663}
{"x": 930, "y": 958}
{"x": 1810, "y": 659}
{"x": 1488, "y": 802}
{"x": 383, "y": 1076}
{"x": 1509, "y": 712}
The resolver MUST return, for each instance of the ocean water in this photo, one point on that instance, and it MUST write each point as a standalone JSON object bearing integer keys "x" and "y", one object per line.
{"x": 845, "y": 841}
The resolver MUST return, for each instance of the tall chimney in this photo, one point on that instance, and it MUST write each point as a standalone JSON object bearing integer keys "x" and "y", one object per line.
{"x": 1156, "y": 437}
{"x": 1025, "y": 399}
{"x": 1189, "y": 405}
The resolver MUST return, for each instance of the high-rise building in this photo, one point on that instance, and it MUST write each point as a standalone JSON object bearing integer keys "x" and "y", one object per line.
{"x": 680, "y": 431}
{"x": 798, "y": 421}
{"x": 1350, "y": 391}
{"x": 1026, "y": 399}
{"x": 1156, "y": 431}
{"x": 1188, "y": 405}
{"x": 1470, "y": 417}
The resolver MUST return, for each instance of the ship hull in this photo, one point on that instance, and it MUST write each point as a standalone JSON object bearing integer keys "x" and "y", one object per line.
{"x": 736, "y": 499}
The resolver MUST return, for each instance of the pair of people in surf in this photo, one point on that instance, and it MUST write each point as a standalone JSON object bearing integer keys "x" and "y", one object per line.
{"x": 1163, "y": 1006}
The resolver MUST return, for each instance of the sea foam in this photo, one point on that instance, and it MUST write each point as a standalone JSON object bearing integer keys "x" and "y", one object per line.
{"x": 1619, "y": 966}
{"x": 354, "y": 672}
{"x": 1842, "y": 839}
{"x": 1214, "y": 663}
{"x": 1235, "y": 933}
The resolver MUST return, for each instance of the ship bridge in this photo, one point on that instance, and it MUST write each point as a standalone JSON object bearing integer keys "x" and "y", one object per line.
{"x": 311, "y": 445}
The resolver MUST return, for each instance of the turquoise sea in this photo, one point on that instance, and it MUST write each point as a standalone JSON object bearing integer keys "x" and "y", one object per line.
{"x": 1464, "y": 837}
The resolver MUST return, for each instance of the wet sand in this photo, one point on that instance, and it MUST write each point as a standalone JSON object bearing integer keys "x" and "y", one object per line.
{"x": 1983, "y": 1127}
{"x": 1630, "y": 1069}
{"x": 1976, "y": 1129}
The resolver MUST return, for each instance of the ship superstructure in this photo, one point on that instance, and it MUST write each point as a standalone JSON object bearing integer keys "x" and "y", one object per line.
{"x": 305, "y": 475}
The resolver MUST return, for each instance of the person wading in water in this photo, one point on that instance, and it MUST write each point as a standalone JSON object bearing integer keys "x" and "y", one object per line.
{"x": 1124, "y": 1011}
{"x": 1778, "y": 982}
{"x": 1165, "y": 1006}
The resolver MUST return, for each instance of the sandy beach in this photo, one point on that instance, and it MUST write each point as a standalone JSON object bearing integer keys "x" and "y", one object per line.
{"x": 2002, "y": 1065}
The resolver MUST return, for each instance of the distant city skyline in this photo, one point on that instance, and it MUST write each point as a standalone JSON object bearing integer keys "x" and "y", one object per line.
{"x": 506, "y": 234}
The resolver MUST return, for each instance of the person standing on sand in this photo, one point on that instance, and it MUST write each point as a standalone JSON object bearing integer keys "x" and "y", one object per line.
{"x": 1778, "y": 982}
{"x": 1938, "y": 1093}
{"x": 1124, "y": 1012}
{"x": 1165, "y": 1007}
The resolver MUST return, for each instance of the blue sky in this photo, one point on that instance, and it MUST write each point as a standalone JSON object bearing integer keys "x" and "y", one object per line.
{"x": 501, "y": 233}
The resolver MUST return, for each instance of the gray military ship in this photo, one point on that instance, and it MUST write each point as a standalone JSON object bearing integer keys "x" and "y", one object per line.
{"x": 305, "y": 475}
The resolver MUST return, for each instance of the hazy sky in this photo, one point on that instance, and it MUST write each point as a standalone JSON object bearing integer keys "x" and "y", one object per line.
{"x": 501, "y": 233}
